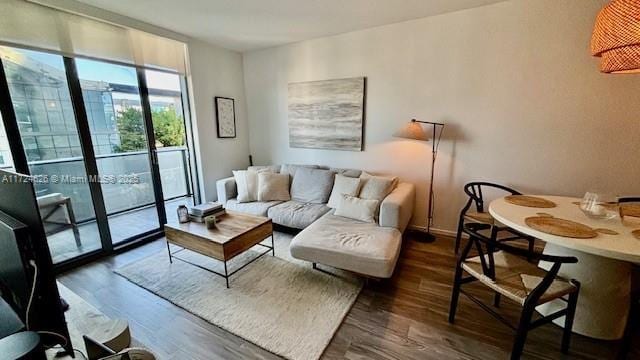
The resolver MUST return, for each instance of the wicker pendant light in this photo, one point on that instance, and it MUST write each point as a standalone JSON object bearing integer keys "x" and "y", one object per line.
{"x": 616, "y": 37}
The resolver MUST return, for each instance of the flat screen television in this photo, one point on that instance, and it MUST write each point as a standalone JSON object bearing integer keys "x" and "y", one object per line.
{"x": 23, "y": 243}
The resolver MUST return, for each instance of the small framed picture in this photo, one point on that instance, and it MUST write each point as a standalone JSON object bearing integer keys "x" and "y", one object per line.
{"x": 225, "y": 117}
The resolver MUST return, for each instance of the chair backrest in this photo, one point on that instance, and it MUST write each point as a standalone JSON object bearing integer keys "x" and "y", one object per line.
{"x": 629, "y": 206}
{"x": 491, "y": 245}
{"x": 475, "y": 192}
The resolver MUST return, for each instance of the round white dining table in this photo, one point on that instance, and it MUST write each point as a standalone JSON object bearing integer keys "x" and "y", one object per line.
{"x": 604, "y": 265}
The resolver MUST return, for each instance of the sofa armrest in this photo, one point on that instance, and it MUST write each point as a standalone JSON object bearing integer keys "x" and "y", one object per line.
{"x": 226, "y": 189}
{"x": 396, "y": 209}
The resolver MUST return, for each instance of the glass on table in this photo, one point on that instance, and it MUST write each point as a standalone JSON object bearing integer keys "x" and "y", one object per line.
{"x": 598, "y": 205}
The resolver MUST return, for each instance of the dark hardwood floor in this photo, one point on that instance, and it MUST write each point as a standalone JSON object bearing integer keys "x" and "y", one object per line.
{"x": 401, "y": 318}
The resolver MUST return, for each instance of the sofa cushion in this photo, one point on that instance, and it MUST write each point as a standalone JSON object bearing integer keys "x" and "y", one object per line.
{"x": 272, "y": 186}
{"x": 358, "y": 209}
{"x": 291, "y": 169}
{"x": 343, "y": 185}
{"x": 364, "y": 248}
{"x": 312, "y": 185}
{"x": 295, "y": 214}
{"x": 258, "y": 208}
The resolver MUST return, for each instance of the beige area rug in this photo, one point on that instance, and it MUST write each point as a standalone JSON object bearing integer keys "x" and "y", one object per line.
{"x": 277, "y": 303}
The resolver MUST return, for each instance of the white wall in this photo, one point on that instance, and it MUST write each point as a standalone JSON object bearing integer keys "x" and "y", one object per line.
{"x": 215, "y": 71}
{"x": 523, "y": 101}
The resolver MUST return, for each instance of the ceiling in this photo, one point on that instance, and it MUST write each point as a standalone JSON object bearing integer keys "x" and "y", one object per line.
{"x": 252, "y": 24}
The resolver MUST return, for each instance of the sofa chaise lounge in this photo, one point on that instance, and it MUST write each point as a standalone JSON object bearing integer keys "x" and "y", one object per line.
{"x": 366, "y": 248}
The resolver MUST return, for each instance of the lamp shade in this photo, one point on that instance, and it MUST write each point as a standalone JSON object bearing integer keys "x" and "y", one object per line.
{"x": 616, "y": 37}
{"x": 412, "y": 130}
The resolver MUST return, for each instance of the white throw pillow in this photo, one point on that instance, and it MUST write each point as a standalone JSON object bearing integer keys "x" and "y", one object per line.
{"x": 376, "y": 187}
{"x": 358, "y": 209}
{"x": 241, "y": 183}
{"x": 272, "y": 187}
{"x": 270, "y": 168}
{"x": 247, "y": 183}
{"x": 343, "y": 185}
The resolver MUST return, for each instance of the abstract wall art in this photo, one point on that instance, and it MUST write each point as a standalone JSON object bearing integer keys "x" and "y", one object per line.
{"x": 327, "y": 114}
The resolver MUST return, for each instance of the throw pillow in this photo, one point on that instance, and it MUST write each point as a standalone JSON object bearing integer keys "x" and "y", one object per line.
{"x": 343, "y": 185}
{"x": 358, "y": 209}
{"x": 347, "y": 172}
{"x": 270, "y": 168}
{"x": 247, "y": 182}
{"x": 241, "y": 183}
{"x": 291, "y": 169}
{"x": 312, "y": 185}
{"x": 376, "y": 187}
{"x": 272, "y": 187}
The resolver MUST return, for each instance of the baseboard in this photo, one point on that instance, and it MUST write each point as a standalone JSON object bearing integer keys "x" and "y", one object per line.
{"x": 435, "y": 231}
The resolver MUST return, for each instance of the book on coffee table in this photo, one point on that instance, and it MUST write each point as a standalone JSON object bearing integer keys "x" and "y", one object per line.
{"x": 205, "y": 209}
{"x": 200, "y": 219}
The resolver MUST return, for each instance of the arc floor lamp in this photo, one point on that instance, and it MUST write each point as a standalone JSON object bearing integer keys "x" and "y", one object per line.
{"x": 415, "y": 130}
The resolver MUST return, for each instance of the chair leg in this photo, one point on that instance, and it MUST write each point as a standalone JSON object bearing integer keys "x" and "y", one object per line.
{"x": 496, "y": 299}
{"x": 568, "y": 321}
{"x": 455, "y": 293}
{"x": 521, "y": 332}
{"x": 459, "y": 235}
{"x": 457, "y": 281}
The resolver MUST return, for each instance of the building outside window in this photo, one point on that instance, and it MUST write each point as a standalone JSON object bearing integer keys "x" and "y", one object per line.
{"x": 6, "y": 162}
{"x": 45, "y": 112}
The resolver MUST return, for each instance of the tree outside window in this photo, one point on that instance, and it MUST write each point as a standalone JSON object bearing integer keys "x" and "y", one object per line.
{"x": 168, "y": 129}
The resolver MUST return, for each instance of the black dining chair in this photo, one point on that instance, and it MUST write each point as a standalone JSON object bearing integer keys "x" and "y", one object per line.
{"x": 512, "y": 272}
{"x": 474, "y": 211}
{"x": 630, "y": 207}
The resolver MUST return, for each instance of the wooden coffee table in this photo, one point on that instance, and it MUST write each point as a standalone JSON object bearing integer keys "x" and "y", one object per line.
{"x": 234, "y": 234}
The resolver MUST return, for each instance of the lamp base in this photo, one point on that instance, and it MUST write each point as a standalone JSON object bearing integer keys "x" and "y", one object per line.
{"x": 423, "y": 237}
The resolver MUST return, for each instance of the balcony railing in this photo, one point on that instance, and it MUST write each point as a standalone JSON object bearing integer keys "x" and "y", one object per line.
{"x": 126, "y": 180}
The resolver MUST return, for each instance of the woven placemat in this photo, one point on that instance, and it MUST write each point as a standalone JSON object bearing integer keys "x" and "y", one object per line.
{"x": 560, "y": 227}
{"x": 606, "y": 231}
{"x": 529, "y": 201}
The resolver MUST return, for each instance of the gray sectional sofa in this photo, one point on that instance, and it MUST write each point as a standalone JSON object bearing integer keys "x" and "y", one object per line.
{"x": 370, "y": 249}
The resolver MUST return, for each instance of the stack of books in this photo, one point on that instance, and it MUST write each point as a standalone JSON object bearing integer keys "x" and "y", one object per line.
{"x": 199, "y": 212}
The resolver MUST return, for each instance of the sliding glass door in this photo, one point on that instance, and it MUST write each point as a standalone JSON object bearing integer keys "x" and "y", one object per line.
{"x": 106, "y": 144}
{"x": 47, "y": 127}
{"x": 169, "y": 129}
{"x": 119, "y": 136}
{"x": 6, "y": 162}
